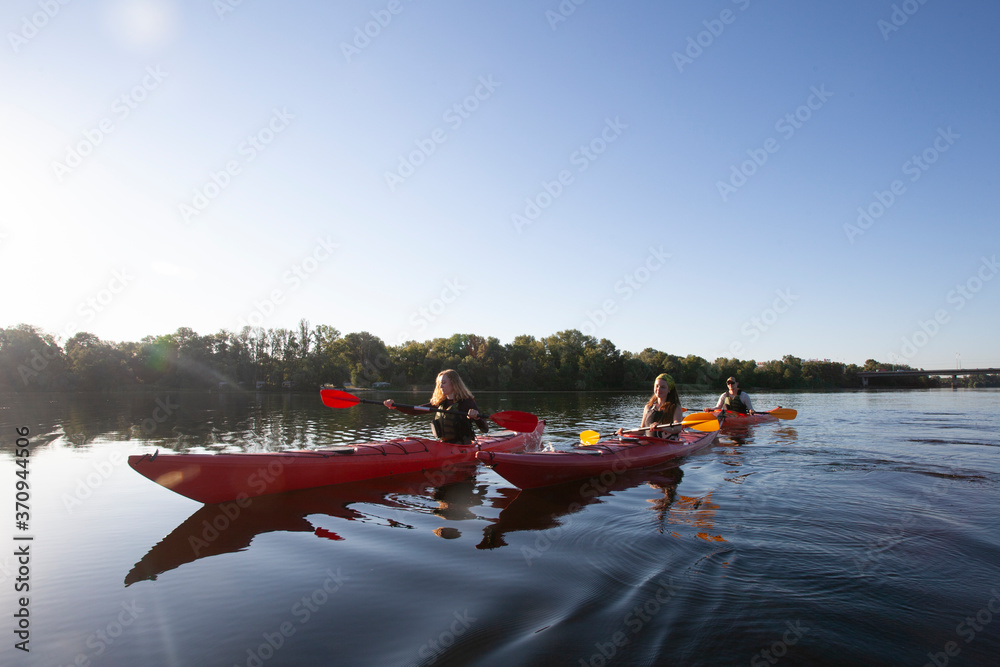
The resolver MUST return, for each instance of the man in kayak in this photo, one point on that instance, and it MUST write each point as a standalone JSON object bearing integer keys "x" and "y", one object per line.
{"x": 459, "y": 408}
{"x": 664, "y": 407}
{"x": 734, "y": 399}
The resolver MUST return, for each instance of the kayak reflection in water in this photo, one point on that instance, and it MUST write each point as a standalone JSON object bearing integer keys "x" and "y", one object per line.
{"x": 735, "y": 399}
{"x": 664, "y": 407}
{"x": 450, "y": 394}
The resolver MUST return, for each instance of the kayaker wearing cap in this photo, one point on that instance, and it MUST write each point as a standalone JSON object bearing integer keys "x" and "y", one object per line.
{"x": 664, "y": 407}
{"x": 450, "y": 394}
{"x": 734, "y": 399}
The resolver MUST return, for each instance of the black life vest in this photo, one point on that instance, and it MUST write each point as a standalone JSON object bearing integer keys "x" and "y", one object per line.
{"x": 453, "y": 426}
{"x": 735, "y": 403}
{"x": 662, "y": 416}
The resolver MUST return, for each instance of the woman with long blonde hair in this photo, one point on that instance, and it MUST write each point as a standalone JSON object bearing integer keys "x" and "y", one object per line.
{"x": 664, "y": 407}
{"x": 456, "y": 406}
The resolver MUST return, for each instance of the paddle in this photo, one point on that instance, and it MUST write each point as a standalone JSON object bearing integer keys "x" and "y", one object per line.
{"x": 780, "y": 413}
{"x": 699, "y": 421}
{"x": 512, "y": 420}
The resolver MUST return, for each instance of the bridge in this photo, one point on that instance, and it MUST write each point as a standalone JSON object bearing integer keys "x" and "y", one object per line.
{"x": 953, "y": 372}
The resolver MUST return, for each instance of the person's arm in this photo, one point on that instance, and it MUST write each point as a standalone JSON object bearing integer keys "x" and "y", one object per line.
{"x": 415, "y": 410}
{"x": 721, "y": 401}
{"x": 746, "y": 402}
{"x": 671, "y": 430}
{"x": 642, "y": 424}
{"x": 469, "y": 405}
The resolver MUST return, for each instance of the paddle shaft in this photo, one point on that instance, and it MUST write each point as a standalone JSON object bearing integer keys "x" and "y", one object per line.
{"x": 522, "y": 422}
{"x": 700, "y": 421}
{"x": 422, "y": 408}
{"x": 689, "y": 424}
{"x": 779, "y": 412}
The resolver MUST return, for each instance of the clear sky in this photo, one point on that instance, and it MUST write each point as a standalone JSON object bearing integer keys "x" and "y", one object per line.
{"x": 728, "y": 178}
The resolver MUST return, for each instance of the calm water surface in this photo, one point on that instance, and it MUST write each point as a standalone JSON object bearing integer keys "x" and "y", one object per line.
{"x": 864, "y": 532}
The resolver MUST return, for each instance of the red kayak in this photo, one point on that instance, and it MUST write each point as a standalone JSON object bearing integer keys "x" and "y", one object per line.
{"x": 736, "y": 420}
{"x": 216, "y": 478}
{"x": 608, "y": 457}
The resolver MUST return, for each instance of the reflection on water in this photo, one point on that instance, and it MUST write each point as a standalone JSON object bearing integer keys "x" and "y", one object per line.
{"x": 546, "y": 507}
{"x": 868, "y": 520}
{"x": 229, "y": 527}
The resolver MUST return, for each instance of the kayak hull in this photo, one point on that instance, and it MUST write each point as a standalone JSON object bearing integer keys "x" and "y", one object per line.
{"x": 216, "y": 478}
{"x": 734, "y": 420}
{"x": 529, "y": 470}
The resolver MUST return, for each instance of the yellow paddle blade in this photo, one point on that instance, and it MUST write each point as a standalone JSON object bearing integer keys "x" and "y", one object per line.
{"x": 783, "y": 413}
{"x": 590, "y": 437}
{"x": 701, "y": 421}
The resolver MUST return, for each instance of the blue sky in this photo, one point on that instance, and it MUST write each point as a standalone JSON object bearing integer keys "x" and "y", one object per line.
{"x": 727, "y": 178}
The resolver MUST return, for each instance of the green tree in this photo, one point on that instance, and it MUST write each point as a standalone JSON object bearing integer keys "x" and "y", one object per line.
{"x": 95, "y": 365}
{"x": 31, "y": 360}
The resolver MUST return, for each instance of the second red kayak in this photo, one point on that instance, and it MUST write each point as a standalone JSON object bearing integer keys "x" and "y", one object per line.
{"x": 735, "y": 420}
{"x": 613, "y": 456}
{"x": 216, "y": 478}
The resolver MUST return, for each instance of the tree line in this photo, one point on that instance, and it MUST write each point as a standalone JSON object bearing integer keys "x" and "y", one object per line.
{"x": 306, "y": 358}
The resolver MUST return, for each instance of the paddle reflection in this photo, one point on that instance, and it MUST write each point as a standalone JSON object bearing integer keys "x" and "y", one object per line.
{"x": 230, "y": 527}
{"x": 544, "y": 508}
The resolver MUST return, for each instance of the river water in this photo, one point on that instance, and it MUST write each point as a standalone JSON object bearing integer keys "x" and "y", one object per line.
{"x": 864, "y": 532}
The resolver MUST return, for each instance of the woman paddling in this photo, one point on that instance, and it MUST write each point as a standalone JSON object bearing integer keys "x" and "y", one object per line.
{"x": 664, "y": 407}
{"x": 454, "y": 425}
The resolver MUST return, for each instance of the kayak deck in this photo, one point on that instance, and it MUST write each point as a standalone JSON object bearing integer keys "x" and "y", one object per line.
{"x": 613, "y": 456}
{"x": 737, "y": 420}
{"x": 216, "y": 478}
